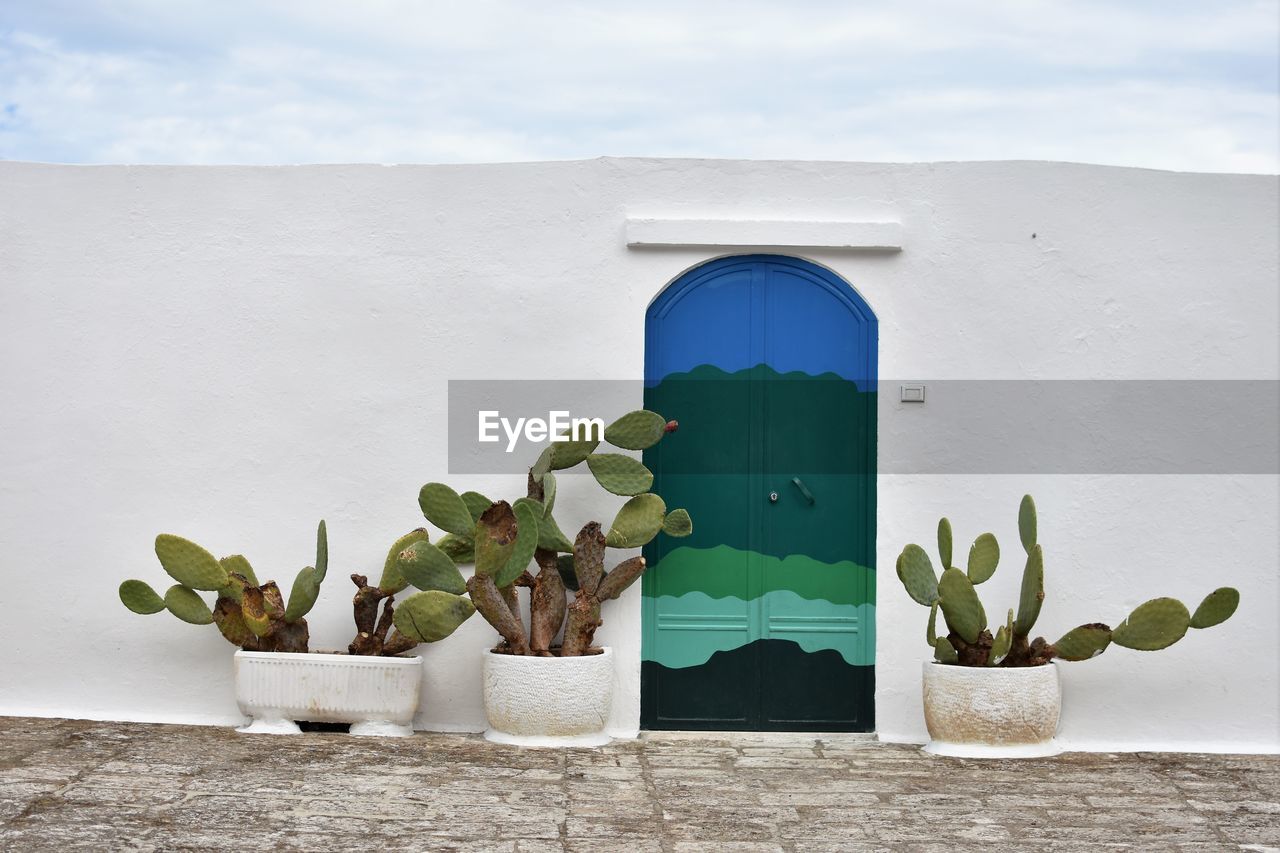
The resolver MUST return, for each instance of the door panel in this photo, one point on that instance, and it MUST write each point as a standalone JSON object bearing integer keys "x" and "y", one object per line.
{"x": 764, "y": 618}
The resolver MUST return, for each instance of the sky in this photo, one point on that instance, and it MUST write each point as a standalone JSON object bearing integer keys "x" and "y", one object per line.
{"x": 1189, "y": 86}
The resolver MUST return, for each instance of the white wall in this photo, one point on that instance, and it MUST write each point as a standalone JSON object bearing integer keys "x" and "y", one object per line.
{"x": 233, "y": 353}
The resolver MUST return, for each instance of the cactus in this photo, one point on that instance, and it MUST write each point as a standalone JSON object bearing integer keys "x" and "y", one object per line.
{"x": 505, "y": 541}
{"x": 438, "y": 606}
{"x": 250, "y": 615}
{"x": 1153, "y": 625}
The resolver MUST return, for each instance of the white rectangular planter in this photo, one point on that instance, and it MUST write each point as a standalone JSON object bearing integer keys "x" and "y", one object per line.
{"x": 376, "y": 695}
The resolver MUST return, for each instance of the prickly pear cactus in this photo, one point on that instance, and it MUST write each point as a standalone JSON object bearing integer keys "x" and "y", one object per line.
{"x": 248, "y": 614}
{"x": 529, "y": 536}
{"x": 1154, "y": 625}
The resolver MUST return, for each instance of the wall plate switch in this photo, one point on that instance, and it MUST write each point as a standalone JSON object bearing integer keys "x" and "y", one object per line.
{"x": 912, "y": 393}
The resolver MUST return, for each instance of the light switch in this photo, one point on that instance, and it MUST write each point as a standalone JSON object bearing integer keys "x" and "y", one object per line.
{"x": 912, "y": 393}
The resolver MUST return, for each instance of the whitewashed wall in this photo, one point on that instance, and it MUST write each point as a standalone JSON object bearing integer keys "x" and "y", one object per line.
{"x": 233, "y": 353}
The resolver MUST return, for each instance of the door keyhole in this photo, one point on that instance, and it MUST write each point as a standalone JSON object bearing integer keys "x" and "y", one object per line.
{"x": 773, "y": 497}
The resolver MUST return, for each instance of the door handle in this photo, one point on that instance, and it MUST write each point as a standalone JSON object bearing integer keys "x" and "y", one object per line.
{"x": 808, "y": 495}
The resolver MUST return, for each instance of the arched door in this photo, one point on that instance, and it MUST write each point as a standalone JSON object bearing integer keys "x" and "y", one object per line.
{"x": 765, "y": 617}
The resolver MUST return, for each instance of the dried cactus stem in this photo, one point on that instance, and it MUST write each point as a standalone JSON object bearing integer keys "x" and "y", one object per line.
{"x": 494, "y": 608}
{"x": 547, "y": 605}
{"x": 580, "y": 629}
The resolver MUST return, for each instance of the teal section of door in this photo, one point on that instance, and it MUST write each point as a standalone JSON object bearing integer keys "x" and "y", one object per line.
{"x": 765, "y": 617}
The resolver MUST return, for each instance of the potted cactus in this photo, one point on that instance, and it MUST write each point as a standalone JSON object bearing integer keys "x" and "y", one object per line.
{"x": 547, "y": 683}
{"x": 997, "y": 695}
{"x": 375, "y": 688}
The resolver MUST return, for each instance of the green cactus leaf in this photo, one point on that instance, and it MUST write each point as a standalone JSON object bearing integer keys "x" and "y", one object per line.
{"x": 960, "y": 605}
{"x": 306, "y": 589}
{"x": 238, "y": 564}
{"x": 236, "y": 585}
{"x": 638, "y": 430}
{"x": 677, "y": 523}
{"x": 620, "y": 474}
{"x": 527, "y": 519}
{"x": 322, "y": 552}
{"x": 392, "y": 581}
{"x": 189, "y": 564}
{"x": 944, "y": 542}
{"x": 568, "y": 574}
{"x": 1216, "y": 608}
{"x": 567, "y": 453}
{"x": 637, "y": 522}
{"x": 1084, "y": 642}
{"x": 184, "y": 603}
{"x": 548, "y": 493}
{"x": 931, "y": 633}
{"x": 550, "y": 537}
{"x": 460, "y": 549}
{"x": 444, "y": 508}
{"x": 139, "y": 597}
{"x": 944, "y": 652}
{"x": 476, "y": 504}
{"x": 431, "y": 615}
{"x": 1031, "y": 596}
{"x": 495, "y": 538}
{"x": 542, "y": 465}
{"x": 1000, "y": 645}
{"x": 917, "y": 576}
{"x": 1027, "y": 523}
{"x": 425, "y": 566}
{"x": 984, "y": 556}
{"x": 1153, "y": 625}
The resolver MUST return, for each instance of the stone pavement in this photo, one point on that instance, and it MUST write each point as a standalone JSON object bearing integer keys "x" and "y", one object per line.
{"x": 75, "y": 785}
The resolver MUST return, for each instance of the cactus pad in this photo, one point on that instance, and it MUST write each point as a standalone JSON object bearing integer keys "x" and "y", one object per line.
{"x": 322, "y": 551}
{"x": 1000, "y": 646}
{"x": 306, "y": 589}
{"x": 187, "y": 605}
{"x": 527, "y": 518}
{"x": 944, "y": 652}
{"x": 432, "y": 615}
{"x": 620, "y": 474}
{"x": 1087, "y": 641}
{"x": 677, "y": 523}
{"x": 139, "y": 597}
{"x": 1031, "y": 596}
{"x": 550, "y": 536}
{"x": 931, "y": 633}
{"x": 566, "y": 454}
{"x": 568, "y": 574}
{"x": 984, "y": 556}
{"x": 637, "y": 522}
{"x": 1216, "y": 608}
{"x": 238, "y": 564}
{"x": 638, "y": 430}
{"x": 461, "y": 549}
{"x": 542, "y": 465}
{"x": 392, "y": 581}
{"x": 1153, "y": 625}
{"x": 425, "y": 566}
{"x": 916, "y": 573}
{"x": 1027, "y": 522}
{"x": 476, "y": 504}
{"x": 944, "y": 542}
{"x": 189, "y": 564}
{"x": 960, "y": 605}
{"x": 495, "y": 538}
{"x": 444, "y": 508}
{"x": 548, "y": 493}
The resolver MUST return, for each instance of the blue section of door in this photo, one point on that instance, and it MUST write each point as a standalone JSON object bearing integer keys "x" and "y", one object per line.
{"x": 799, "y": 321}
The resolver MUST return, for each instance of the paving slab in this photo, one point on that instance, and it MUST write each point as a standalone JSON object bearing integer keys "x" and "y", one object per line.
{"x": 70, "y": 785}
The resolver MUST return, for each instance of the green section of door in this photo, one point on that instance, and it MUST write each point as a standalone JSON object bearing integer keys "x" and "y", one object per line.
{"x": 766, "y": 620}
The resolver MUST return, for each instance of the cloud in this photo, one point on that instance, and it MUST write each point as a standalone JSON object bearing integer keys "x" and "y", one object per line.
{"x": 1168, "y": 85}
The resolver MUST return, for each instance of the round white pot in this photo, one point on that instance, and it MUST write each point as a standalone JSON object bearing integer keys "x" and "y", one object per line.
{"x": 376, "y": 695}
{"x": 537, "y": 701}
{"x": 991, "y": 712}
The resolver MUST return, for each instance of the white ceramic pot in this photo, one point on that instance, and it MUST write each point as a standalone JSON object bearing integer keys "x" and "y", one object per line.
{"x": 376, "y": 695}
{"x": 992, "y": 712}
{"x": 537, "y": 701}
